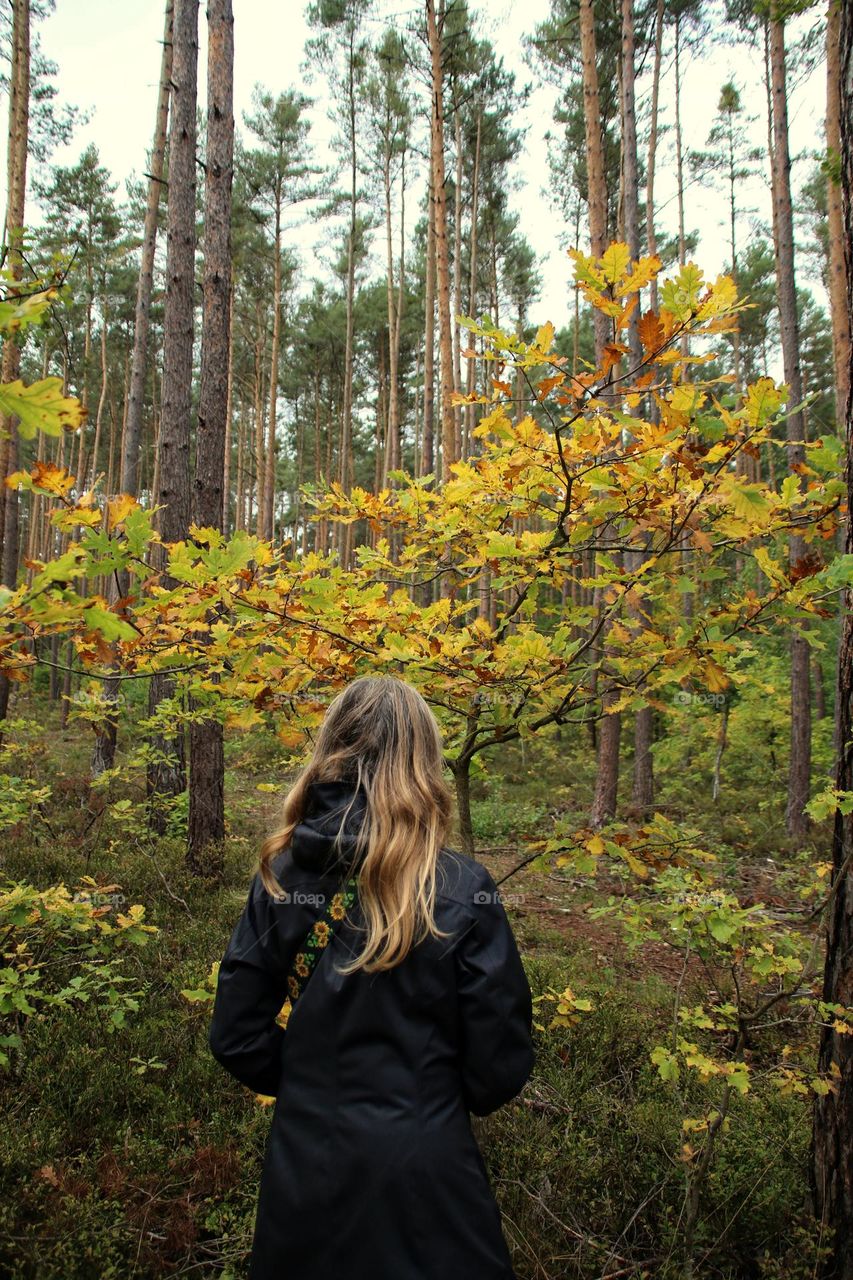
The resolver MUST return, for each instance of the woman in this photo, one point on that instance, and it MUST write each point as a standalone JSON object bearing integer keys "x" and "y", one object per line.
{"x": 417, "y": 1012}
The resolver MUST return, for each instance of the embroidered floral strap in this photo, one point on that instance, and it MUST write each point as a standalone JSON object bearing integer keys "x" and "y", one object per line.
{"x": 318, "y": 939}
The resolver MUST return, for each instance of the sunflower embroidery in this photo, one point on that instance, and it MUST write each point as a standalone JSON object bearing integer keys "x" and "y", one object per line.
{"x": 317, "y": 940}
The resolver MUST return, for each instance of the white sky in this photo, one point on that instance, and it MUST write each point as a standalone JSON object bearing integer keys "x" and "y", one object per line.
{"x": 108, "y": 53}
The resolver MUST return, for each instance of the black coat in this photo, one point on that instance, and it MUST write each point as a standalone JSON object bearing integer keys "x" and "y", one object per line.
{"x": 371, "y": 1169}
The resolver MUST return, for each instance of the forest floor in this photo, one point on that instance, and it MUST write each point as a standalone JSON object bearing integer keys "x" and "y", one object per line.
{"x": 131, "y": 1155}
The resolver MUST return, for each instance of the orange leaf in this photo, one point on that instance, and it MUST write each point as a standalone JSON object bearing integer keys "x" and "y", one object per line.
{"x": 547, "y": 385}
{"x": 54, "y": 479}
{"x": 611, "y": 356}
{"x": 650, "y": 331}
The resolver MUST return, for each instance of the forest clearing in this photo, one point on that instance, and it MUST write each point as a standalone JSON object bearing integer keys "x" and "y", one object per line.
{"x": 408, "y": 365}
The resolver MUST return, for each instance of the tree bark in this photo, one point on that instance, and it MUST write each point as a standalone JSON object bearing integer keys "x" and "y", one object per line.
{"x": 229, "y": 405}
{"x": 16, "y": 176}
{"x": 449, "y": 434}
{"x": 166, "y": 774}
{"x": 651, "y": 236}
{"x": 470, "y": 409}
{"x": 392, "y": 455}
{"x": 457, "y": 275}
{"x": 643, "y": 785}
{"x": 428, "y": 452}
{"x": 136, "y": 399}
{"x": 269, "y": 462}
{"x": 207, "y": 761}
{"x": 832, "y": 1147}
{"x": 833, "y": 1114}
{"x": 596, "y": 189}
{"x": 344, "y": 531}
{"x": 837, "y": 268}
{"x": 800, "y": 763}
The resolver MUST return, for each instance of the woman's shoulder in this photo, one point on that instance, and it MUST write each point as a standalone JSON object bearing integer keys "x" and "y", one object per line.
{"x": 462, "y": 879}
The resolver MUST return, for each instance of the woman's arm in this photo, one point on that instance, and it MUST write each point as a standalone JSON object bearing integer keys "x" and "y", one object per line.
{"x": 244, "y": 1036}
{"x": 495, "y": 1005}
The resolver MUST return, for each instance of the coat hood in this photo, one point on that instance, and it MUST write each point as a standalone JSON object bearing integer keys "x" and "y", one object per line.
{"x": 315, "y": 844}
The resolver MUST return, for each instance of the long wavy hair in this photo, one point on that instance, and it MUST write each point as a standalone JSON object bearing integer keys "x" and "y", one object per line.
{"x": 380, "y": 735}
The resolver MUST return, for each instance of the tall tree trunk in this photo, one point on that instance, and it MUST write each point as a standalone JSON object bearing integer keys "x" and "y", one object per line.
{"x": 449, "y": 440}
{"x": 457, "y": 275}
{"x": 166, "y": 775}
{"x": 136, "y": 398}
{"x": 392, "y": 456}
{"x": 679, "y": 146}
{"x": 643, "y": 786}
{"x": 259, "y": 420}
{"x": 344, "y": 531}
{"x": 470, "y": 409}
{"x": 837, "y": 269}
{"x": 733, "y": 179}
{"x": 229, "y": 402}
{"x": 102, "y": 398}
{"x": 428, "y": 453}
{"x": 651, "y": 236}
{"x": 832, "y": 1164}
{"x": 800, "y": 764}
{"x": 607, "y": 775}
{"x": 239, "y": 518}
{"x": 398, "y": 312}
{"x": 16, "y": 194}
{"x": 269, "y": 464}
{"x": 207, "y": 761}
{"x": 597, "y": 190}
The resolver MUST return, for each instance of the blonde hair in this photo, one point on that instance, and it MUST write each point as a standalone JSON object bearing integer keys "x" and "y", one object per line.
{"x": 380, "y": 735}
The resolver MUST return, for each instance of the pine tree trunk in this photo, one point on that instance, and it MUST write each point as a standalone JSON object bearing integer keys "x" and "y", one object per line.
{"x": 470, "y": 409}
{"x": 597, "y": 191}
{"x": 643, "y": 785}
{"x": 343, "y": 531}
{"x": 457, "y": 276}
{"x": 607, "y": 775}
{"x": 837, "y": 269}
{"x": 398, "y": 311}
{"x": 16, "y": 177}
{"x": 259, "y": 421}
{"x": 800, "y": 764}
{"x": 393, "y": 451}
{"x": 449, "y": 440}
{"x": 136, "y": 398}
{"x": 679, "y": 147}
{"x": 166, "y": 776}
{"x": 832, "y": 1163}
{"x": 269, "y": 461}
{"x": 207, "y": 761}
{"x": 428, "y": 452}
{"x": 229, "y": 413}
{"x": 651, "y": 236}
